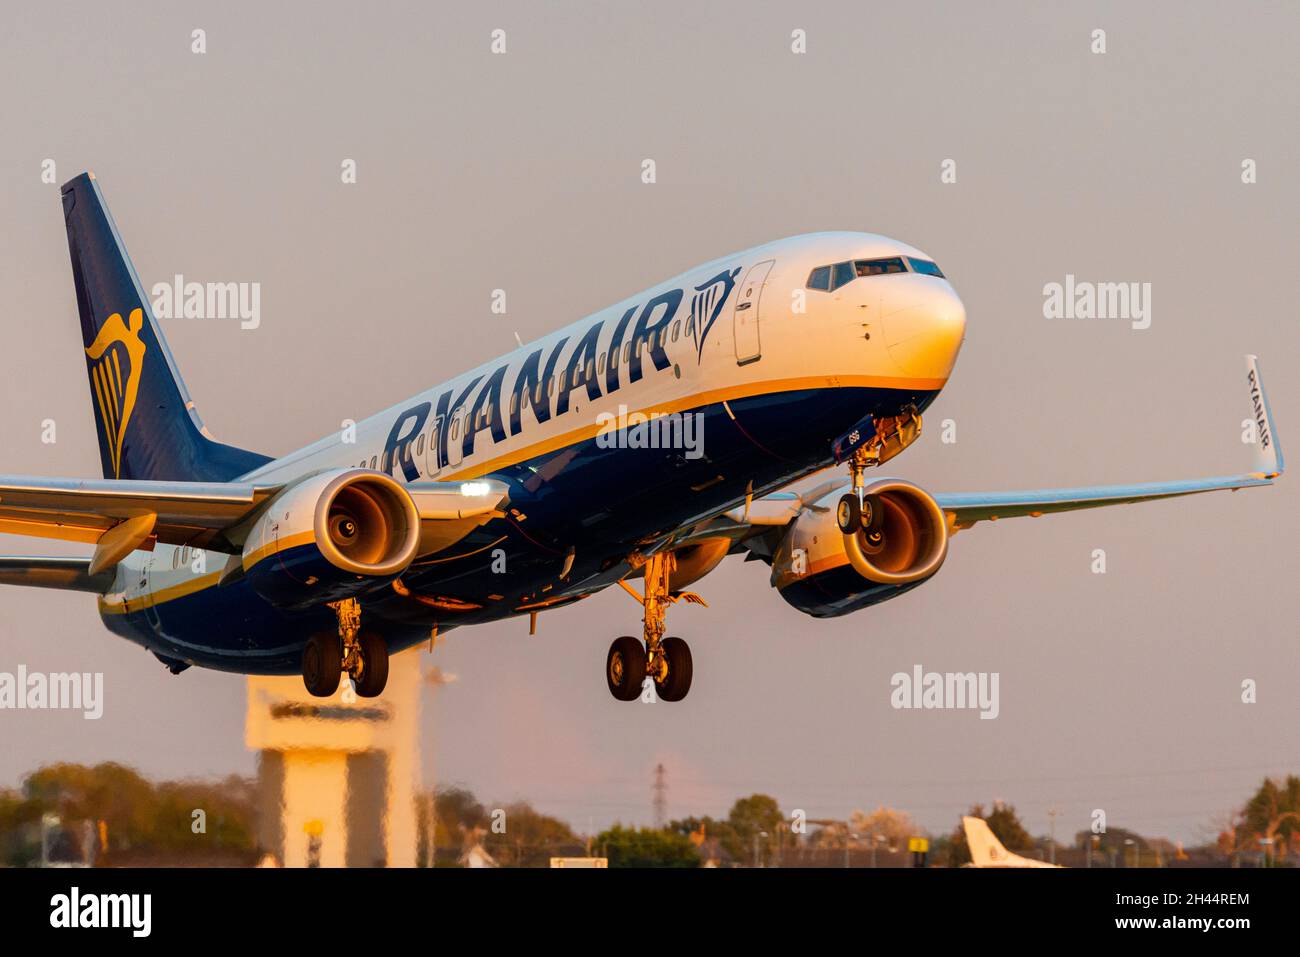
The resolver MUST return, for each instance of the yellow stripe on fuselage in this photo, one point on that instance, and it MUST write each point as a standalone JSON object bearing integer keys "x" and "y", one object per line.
{"x": 121, "y": 605}
{"x": 279, "y": 545}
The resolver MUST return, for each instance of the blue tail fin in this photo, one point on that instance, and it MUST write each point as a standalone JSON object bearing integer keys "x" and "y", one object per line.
{"x": 148, "y": 428}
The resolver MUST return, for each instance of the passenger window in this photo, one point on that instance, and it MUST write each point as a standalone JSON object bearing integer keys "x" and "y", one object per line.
{"x": 374, "y": 460}
{"x": 843, "y": 274}
{"x": 690, "y": 326}
{"x": 627, "y": 352}
{"x": 419, "y": 446}
{"x": 600, "y": 363}
{"x": 677, "y": 327}
{"x": 820, "y": 278}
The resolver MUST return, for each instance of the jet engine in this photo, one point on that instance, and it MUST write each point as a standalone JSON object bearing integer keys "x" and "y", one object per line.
{"x": 331, "y": 536}
{"x": 825, "y": 572}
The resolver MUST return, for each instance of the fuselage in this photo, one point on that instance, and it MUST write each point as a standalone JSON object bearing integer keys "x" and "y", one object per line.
{"x": 774, "y": 352}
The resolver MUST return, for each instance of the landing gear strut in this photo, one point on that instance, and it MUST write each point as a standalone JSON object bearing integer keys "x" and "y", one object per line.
{"x": 665, "y": 660}
{"x": 362, "y": 654}
{"x": 857, "y": 511}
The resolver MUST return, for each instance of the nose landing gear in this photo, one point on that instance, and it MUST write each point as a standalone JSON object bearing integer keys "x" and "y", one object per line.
{"x": 362, "y": 654}
{"x": 856, "y": 511}
{"x": 667, "y": 661}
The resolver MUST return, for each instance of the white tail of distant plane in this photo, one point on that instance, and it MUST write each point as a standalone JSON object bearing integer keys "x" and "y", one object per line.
{"x": 987, "y": 851}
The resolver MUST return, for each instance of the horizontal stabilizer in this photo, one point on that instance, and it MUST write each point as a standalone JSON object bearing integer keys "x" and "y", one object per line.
{"x": 69, "y": 574}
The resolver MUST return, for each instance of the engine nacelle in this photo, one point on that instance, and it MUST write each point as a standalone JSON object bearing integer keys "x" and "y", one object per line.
{"x": 331, "y": 536}
{"x": 824, "y": 573}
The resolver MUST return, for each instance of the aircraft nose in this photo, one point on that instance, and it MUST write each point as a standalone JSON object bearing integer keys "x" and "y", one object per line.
{"x": 924, "y": 325}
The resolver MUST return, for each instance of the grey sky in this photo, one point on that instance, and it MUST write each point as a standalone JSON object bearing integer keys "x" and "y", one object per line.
{"x": 522, "y": 172}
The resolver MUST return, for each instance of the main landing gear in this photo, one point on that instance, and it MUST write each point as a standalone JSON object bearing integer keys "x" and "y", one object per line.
{"x": 362, "y": 654}
{"x": 666, "y": 660}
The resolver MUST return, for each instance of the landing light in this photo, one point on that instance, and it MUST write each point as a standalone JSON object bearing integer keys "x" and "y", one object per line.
{"x": 475, "y": 489}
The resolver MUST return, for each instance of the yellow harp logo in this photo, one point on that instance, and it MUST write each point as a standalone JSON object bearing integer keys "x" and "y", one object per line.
{"x": 116, "y": 360}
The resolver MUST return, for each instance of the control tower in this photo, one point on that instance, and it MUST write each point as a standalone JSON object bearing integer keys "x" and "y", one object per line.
{"x": 337, "y": 776}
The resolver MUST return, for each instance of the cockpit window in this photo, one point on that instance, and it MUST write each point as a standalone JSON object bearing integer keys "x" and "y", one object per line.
{"x": 830, "y": 278}
{"x": 879, "y": 267}
{"x": 820, "y": 278}
{"x": 924, "y": 267}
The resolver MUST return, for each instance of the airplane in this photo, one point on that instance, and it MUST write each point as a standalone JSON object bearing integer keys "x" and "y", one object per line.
{"x": 526, "y": 484}
{"x": 987, "y": 851}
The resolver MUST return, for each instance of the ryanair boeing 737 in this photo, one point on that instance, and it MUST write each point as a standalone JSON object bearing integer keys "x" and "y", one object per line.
{"x": 636, "y": 448}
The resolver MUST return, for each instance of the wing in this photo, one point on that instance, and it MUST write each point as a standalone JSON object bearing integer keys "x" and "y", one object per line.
{"x": 964, "y": 509}
{"x": 83, "y": 510}
{"x": 119, "y": 517}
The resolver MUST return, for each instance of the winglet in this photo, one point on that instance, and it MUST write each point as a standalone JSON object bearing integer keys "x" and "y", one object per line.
{"x": 1268, "y": 448}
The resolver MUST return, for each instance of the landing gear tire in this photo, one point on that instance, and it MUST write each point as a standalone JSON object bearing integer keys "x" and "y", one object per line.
{"x": 322, "y": 664}
{"x": 848, "y": 514}
{"x": 873, "y": 519}
{"x": 676, "y": 679}
{"x": 374, "y": 665}
{"x": 625, "y": 668}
